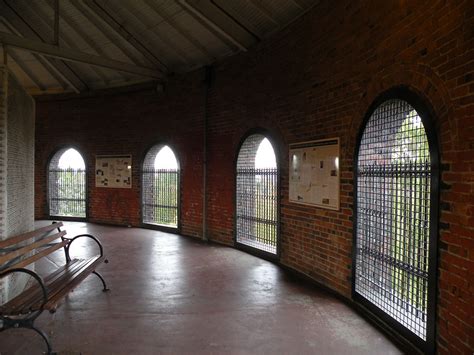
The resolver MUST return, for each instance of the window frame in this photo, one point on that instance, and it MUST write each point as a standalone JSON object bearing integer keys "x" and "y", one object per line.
{"x": 62, "y": 150}
{"x": 164, "y": 228}
{"x": 427, "y": 116}
{"x": 252, "y": 250}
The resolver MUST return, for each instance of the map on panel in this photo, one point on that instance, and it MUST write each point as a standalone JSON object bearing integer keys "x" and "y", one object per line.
{"x": 314, "y": 173}
{"x": 113, "y": 171}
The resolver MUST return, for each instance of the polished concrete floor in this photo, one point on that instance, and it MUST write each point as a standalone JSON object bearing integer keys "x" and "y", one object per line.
{"x": 173, "y": 295}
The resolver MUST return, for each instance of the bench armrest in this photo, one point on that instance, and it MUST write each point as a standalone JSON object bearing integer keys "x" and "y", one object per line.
{"x": 71, "y": 240}
{"x": 39, "y": 279}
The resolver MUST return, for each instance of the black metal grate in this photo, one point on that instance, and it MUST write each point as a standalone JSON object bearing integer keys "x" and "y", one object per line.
{"x": 160, "y": 197}
{"x": 160, "y": 191}
{"x": 67, "y": 192}
{"x": 257, "y": 219}
{"x": 393, "y": 215}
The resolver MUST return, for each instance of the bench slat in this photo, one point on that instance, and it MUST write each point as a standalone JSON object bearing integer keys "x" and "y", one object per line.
{"x": 55, "y": 284}
{"x": 73, "y": 282}
{"x": 26, "y": 249}
{"x": 22, "y": 237}
{"x": 37, "y": 256}
{"x": 24, "y": 302}
{"x": 58, "y": 284}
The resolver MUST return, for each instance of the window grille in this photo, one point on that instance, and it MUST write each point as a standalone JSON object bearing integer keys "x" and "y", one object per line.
{"x": 160, "y": 188}
{"x": 257, "y": 217}
{"x": 67, "y": 185}
{"x": 394, "y": 186}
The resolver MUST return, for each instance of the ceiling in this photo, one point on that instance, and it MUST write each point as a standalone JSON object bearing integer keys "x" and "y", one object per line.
{"x": 67, "y": 46}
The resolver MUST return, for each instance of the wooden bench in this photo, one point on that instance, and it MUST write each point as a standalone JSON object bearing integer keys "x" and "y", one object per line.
{"x": 18, "y": 252}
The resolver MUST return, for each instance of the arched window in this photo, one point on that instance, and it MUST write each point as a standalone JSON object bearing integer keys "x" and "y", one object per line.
{"x": 257, "y": 215}
{"x": 160, "y": 187}
{"x": 67, "y": 184}
{"x": 396, "y": 204}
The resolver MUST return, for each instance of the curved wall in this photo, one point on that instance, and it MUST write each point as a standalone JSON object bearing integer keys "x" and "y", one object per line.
{"x": 315, "y": 79}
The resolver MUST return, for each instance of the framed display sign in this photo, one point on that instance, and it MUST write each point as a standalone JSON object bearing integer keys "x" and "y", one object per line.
{"x": 113, "y": 171}
{"x": 314, "y": 173}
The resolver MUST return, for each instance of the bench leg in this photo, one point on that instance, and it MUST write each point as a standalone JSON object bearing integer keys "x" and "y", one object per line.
{"x": 103, "y": 281}
{"x": 45, "y": 338}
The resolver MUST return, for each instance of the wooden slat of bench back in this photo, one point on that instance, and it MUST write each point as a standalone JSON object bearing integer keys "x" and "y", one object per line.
{"x": 22, "y": 237}
{"x": 28, "y": 248}
{"x": 59, "y": 283}
{"x": 37, "y": 256}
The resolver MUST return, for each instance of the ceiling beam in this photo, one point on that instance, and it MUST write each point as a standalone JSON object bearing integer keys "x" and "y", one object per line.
{"x": 107, "y": 31}
{"x": 75, "y": 56}
{"x": 219, "y": 22}
{"x": 120, "y": 29}
{"x": 265, "y": 11}
{"x": 43, "y": 61}
{"x": 79, "y": 31}
{"x": 180, "y": 29}
{"x": 236, "y": 16}
{"x": 23, "y": 28}
{"x": 65, "y": 40}
{"x": 28, "y": 72}
{"x": 182, "y": 55}
{"x": 299, "y": 4}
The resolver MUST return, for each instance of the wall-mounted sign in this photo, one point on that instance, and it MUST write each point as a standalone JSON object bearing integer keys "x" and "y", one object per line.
{"x": 314, "y": 173}
{"x": 113, "y": 171}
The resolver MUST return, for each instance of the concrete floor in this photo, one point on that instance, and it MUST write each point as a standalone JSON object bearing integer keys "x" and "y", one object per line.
{"x": 173, "y": 295}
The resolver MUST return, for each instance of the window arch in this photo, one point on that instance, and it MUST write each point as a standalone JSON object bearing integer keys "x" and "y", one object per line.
{"x": 396, "y": 217}
{"x": 67, "y": 184}
{"x": 160, "y": 187}
{"x": 257, "y": 191}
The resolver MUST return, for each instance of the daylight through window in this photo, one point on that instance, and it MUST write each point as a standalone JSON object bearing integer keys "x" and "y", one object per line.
{"x": 160, "y": 188}
{"x": 67, "y": 184}
{"x": 257, "y": 195}
{"x": 394, "y": 172}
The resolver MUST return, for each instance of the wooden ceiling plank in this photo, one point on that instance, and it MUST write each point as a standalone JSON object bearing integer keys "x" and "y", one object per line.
{"x": 219, "y": 22}
{"x": 28, "y": 72}
{"x": 299, "y": 4}
{"x": 67, "y": 20}
{"x": 22, "y": 27}
{"x": 265, "y": 11}
{"x": 65, "y": 38}
{"x": 181, "y": 30}
{"x": 183, "y": 57}
{"x": 75, "y": 56}
{"x": 106, "y": 29}
{"x": 56, "y": 22}
{"x": 213, "y": 29}
{"x": 124, "y": 33}
{"x": 43, "y": 61}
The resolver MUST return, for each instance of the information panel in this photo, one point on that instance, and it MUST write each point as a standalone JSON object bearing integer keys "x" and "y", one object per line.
{"x": 113, "y": 171}
{"x": 314, "y": 173}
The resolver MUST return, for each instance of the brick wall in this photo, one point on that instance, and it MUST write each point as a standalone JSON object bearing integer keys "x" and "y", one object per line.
{"x": 126, "y": 124}
{"x": 314, "y": 80}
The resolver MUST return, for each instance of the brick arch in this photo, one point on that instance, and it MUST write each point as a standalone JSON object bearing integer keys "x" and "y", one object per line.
{"x": 420, "y": 79}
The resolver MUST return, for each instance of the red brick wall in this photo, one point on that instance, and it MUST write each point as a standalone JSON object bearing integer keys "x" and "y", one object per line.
{"x": 314, "y": 80}
{"x": 127, "y": 124}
